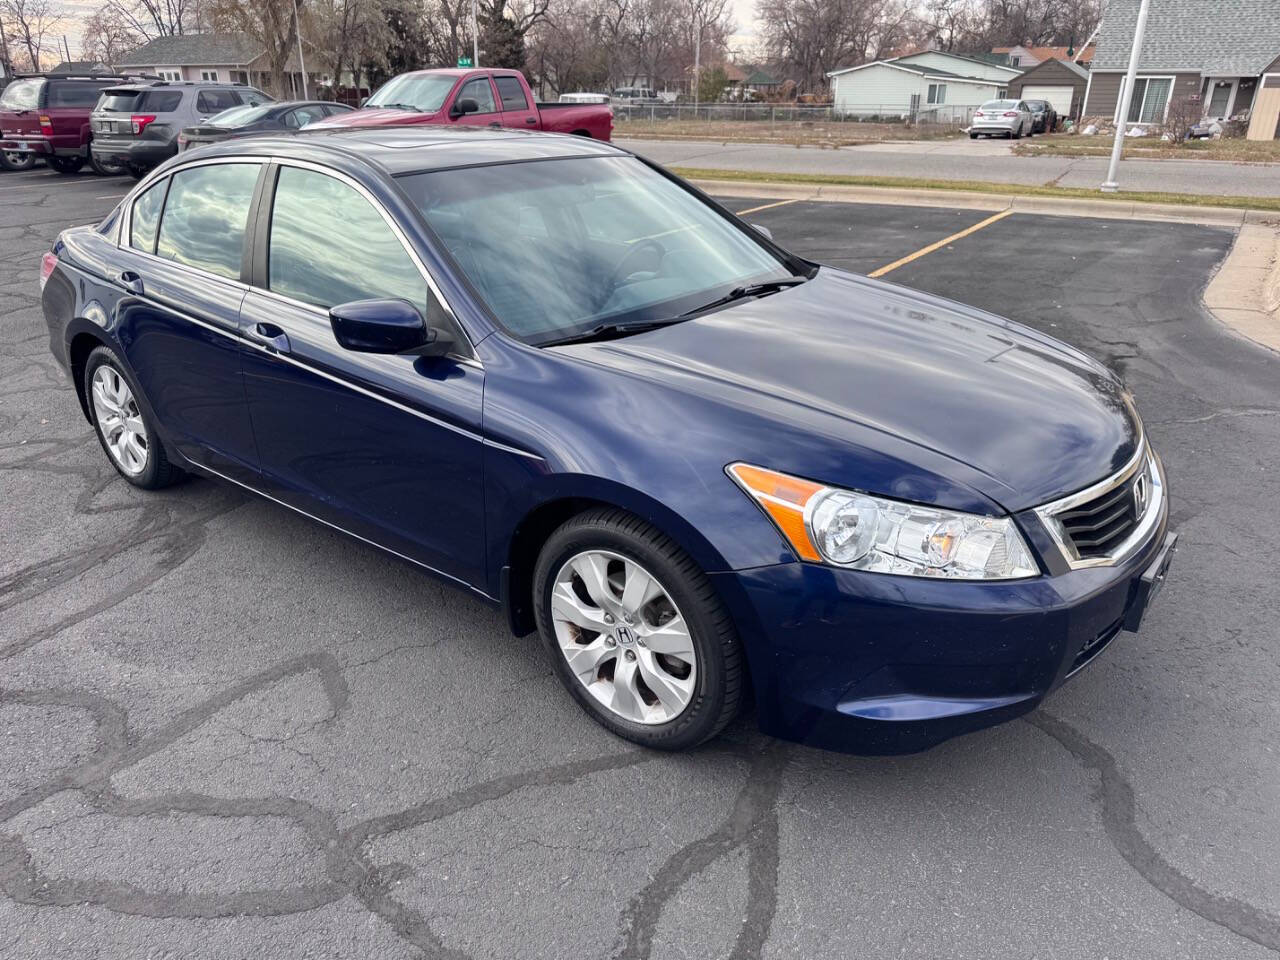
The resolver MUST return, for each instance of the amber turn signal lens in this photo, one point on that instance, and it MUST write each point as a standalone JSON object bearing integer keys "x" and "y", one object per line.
{"x": 783, "y": 499}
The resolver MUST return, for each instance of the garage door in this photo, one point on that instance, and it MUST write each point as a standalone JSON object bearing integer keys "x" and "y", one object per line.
{"x": 1060, "y": 97}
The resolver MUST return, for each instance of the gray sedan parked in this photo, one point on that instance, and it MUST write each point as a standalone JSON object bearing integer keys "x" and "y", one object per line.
{"x": 1010, "y": 118}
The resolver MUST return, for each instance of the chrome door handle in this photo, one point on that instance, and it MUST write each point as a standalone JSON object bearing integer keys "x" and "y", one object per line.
{"x": 531, "y": 120}
{"x": 269, "y": 336}
{"x": 131, "y": 282}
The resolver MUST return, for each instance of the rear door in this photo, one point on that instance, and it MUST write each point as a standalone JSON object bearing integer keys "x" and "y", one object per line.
{"x": 480, "y": 90}
{"x": 517, "y": 111}
{"x": 182, "y": 256}
{"x": 384, "y": 447}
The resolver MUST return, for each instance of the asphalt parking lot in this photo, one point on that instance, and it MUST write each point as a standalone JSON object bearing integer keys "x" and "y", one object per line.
{"x": 226, "y": 731}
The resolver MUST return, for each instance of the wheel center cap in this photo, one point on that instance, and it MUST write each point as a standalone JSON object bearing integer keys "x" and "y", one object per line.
{"x": 624, "y": 635}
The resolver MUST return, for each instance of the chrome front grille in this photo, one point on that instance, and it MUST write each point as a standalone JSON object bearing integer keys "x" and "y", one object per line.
{"x": 1105, "y": 523}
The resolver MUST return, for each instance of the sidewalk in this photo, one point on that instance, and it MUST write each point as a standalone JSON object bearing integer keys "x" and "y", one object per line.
{"x": 967, "y": 160}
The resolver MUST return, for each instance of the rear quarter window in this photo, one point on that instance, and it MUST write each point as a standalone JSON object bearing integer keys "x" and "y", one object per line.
{"x": 68, "y": 93}
{"x": 161, "y": 101}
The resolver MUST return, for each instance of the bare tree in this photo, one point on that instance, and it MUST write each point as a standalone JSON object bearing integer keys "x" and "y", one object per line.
{"x": 270, "y": 22}
{"x": 158, "y": 18}
{"x": 108, "y": 36}
{"x": 809, "y": 38}
{"x": 348, "y": 35}
{"x": 29, "y": 25}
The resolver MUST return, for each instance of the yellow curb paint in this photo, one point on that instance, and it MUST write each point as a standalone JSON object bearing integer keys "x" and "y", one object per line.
{"x": 925, "y": 251}
{"x": 767, "y": 206}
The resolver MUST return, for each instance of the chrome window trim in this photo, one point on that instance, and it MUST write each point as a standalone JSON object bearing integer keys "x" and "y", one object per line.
{"x": 126, "y": 231}
{"x": 1144, "y": 458}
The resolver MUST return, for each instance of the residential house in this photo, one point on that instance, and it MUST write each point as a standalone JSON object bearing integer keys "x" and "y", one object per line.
{"x": 1027, "y": 57}
{"x": 219, "y": 57}
{"x": 925, "y": 85}
{"x": 1221, "y": 59}
{"x": 1061, "y": 82}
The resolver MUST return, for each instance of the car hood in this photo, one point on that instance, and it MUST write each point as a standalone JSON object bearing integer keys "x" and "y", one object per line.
{"x": 371, "y": 117}
{"x": 991, "y": 404}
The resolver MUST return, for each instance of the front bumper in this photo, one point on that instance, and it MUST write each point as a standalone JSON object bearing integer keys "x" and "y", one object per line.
{"x": 138, "y": 153}
{"x": 875, "y": 664}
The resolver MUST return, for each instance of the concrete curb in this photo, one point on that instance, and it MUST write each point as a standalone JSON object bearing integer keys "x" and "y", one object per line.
{"x": 1050, "y": 206}
{"x": 1245, "y": 295}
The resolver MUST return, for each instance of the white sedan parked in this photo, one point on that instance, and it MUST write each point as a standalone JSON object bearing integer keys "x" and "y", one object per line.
{"x": 1010, "y": 118}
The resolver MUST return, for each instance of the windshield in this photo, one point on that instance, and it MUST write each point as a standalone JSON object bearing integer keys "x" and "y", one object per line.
{"x": 240, "y": 116}
{"x": 424, "y": 92}
{"x": 558, "y": 247}
{"x": 21, "y": 95}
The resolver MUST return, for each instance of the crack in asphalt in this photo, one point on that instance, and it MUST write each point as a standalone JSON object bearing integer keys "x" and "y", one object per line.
{"x": 1119, "y": 818}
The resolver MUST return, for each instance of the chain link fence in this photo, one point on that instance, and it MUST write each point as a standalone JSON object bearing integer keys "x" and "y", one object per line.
{"x": 787, "y": 120}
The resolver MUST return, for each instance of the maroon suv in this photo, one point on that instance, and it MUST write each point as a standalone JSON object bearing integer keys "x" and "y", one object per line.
{"x": 48, "y": 116}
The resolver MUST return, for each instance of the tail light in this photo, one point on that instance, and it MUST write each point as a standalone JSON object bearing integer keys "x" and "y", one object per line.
{"x": 1010, "y": 113}
{"x": 46, "y": 125}
{"x": 141, "y": 122}
{"x": 47, "y": 263}
{"x": 979, "y": 114}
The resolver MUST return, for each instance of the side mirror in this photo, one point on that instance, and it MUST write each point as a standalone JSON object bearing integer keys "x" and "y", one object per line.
{"x": 464, "y": 106}
{"x": 768, "y": 234}
{"x": 386, "y": 326}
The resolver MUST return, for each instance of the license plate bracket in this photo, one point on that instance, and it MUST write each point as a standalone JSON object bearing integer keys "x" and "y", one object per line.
{"x": 1150, "y": 583}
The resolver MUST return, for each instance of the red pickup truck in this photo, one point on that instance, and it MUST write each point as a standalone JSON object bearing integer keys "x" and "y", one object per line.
{"x": 48, "y": 117}
{"x": 478, "y": 98}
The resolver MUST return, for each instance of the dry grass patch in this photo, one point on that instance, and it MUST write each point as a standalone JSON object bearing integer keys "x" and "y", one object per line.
{"x": 1235, "y": 150}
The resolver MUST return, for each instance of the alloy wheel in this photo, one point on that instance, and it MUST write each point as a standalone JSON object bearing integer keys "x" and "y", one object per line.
{"x": 120, "y": 420}
{"x": 623, "y": 637}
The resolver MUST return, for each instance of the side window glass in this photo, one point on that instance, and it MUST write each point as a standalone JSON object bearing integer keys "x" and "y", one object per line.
{"x": 479, "y": 91}
{"x": 329, "y": 245}
{"x": 215, "y": 101}
{"x": 253, "y": 98}
{"x": 206, "y": 215}
{"x": 146, "y": 218}
{"x": 512, "y": 94}
{"x": 292, "y": 120}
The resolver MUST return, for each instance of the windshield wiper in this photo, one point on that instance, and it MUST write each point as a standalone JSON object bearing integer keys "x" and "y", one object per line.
{"x": 607, "y": 331}
{"x": 750, "y": 290}
{"x": 398, "y": 106}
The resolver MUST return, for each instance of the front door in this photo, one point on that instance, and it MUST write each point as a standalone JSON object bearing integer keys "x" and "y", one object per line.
{"x": 480, "y": 90}
{"x": 178, "y": 315}
{"x": 385, "y": 447}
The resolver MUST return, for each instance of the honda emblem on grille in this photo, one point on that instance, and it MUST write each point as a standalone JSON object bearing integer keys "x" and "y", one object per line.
{"x": 1141, "y": 494}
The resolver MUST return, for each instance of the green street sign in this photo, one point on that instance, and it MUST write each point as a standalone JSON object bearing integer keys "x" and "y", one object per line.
{"x": 464, "y": 61}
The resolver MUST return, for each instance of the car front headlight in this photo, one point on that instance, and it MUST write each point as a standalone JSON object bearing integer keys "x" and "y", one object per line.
{"x": 845, "y": 528}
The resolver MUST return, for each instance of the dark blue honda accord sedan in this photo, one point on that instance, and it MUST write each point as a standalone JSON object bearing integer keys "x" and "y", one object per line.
{"x": 697, "y": 465}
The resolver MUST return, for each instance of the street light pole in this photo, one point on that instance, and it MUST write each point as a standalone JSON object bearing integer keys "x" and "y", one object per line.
{"x": 475, "y": 37}
{"x": 302, "y": 64}
{"x": 1126, "y": 97}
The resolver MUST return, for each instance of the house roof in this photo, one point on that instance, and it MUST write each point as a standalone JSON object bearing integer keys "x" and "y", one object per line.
{"x": 1223, "y": 38}
{"x": 81, "y": 67}
{"x": 1084, "y": 55}
{"x": 1013, "y": 71}
{"x": 194, "y": 50}
{"x": 1075, "y": 68}
{"x": 930, "y": 72}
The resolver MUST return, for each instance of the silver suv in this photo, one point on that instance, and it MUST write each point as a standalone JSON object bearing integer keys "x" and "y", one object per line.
{"x": 137, "y": 124}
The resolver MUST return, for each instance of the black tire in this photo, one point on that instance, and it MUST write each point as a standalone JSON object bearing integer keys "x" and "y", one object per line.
{"x": 66, "y": 165}
{"x": 17, "y": 161}
{"x": 105, "y": 168}
{"x": 973, "y": 136}
{"x": 135, "y": 171}
{"x": 720, "y": 676}
{"x": 159, "y": 470}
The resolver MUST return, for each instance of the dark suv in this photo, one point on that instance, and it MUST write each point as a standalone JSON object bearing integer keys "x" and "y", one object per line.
{"x": 49, "y": 117}
{"x": 137, "y": 124}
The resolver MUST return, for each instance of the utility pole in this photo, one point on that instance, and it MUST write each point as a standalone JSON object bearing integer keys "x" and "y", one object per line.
{"x": 697, "y": 66}
{"x": 302, "y": 64}
{"x": 475, "y": 37}
{"x": 1111, "y": 185}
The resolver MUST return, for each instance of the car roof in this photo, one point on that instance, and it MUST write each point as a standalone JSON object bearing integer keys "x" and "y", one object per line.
{"x": 417, "y": 148}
